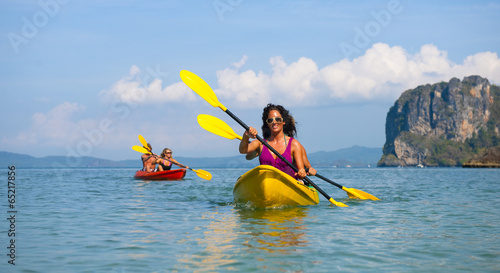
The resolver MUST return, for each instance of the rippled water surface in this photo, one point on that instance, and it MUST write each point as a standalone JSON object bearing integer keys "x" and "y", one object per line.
{"x": 102, "y": 220}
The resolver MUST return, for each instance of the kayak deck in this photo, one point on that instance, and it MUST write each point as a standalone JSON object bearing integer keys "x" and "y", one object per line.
{"x": 176, "y": 174}
{"x": 265, "y": 186}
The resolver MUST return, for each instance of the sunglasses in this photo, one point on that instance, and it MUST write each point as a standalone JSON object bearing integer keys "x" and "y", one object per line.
{"x": 276, "y": 119}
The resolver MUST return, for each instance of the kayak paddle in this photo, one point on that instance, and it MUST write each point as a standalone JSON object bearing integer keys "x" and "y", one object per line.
{"x": 220, "y": 128}
{"x": 141, "y": 149}
{"x": 202, "y": 88}
{"x": 351, "y": 192}
{"x": 217, "y": 126}
{"x": 201, "y": 173}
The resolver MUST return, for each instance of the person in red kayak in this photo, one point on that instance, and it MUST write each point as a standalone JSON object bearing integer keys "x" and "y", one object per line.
{"x": 278, "y": 128}
{"x": 149, "y": 160}
{"x": 165, "y": 160}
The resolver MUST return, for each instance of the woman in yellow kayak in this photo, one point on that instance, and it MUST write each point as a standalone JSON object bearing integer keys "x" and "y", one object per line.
{"x": 278, "y": 128}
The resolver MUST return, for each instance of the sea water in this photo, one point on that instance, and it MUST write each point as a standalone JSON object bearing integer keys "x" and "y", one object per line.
{"x": 103, "y": 220}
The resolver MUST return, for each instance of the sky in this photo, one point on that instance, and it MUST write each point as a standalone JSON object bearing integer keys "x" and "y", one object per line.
{"x": 85, "y": 78}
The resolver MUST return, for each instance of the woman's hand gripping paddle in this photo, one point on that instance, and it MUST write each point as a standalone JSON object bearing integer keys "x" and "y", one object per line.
{"x": 201, "y": 173}
{"x": 199, "y": 86}
{"x": 220, "y": 128}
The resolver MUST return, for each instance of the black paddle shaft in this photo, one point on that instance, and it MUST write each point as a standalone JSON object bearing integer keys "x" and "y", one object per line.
{"x": 329, "y": 181}
{"x": 278, "y": 154}
{"x": 180, "y": 165}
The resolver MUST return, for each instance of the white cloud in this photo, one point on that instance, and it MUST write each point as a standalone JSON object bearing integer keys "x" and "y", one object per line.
{"x": 485, "y": 64}
{"x": 381, "y": 74}
{"x": 241, "y": 62}
{"x": 65, "y": 129}
{"x": 294, "y": 79}
{"x": 246, "y": 88}
{"x": 287, "y": 83}
{"x": 144, "y": 89}
{"x": 55, "y": 127}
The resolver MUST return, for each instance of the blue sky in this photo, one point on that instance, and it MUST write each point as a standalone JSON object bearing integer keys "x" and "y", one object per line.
{"x": 85, "y": 78}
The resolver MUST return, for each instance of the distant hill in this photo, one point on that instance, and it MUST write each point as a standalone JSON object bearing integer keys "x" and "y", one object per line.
{"x": 27, "y": 161}
{"x": 355, "y": 156}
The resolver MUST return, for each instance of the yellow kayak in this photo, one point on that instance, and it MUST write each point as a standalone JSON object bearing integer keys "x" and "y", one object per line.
{"x": 265, "y": 186}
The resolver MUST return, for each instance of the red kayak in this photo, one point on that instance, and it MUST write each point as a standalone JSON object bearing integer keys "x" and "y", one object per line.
{"x": 177, "y": 174}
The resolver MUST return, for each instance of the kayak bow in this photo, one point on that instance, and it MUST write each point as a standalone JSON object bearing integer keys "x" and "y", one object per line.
{"x": 265, "y": 186}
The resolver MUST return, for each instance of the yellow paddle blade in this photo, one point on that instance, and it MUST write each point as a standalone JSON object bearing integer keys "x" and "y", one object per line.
{"x": 217, "y": 126}
{"x": 140, "y": 149}
{"x": 359, "y": 194}
{"x": 201, "y": 88}
{"x": 338, "y": 204}
{"x": 143, "y": 141}
{"x": 203, "y": 174}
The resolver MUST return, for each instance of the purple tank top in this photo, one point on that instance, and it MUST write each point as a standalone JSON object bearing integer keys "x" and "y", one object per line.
{"x": 266, "y": 158}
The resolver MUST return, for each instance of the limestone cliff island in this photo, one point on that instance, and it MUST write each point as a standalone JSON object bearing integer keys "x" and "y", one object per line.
{"x": 445, "y": 124}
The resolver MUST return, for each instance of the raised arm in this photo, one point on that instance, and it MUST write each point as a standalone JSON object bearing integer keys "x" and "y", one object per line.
{"x": 246, "y": 146}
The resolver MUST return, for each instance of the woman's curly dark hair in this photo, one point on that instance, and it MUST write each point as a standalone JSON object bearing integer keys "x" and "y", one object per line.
{"x": 288, "y": 128}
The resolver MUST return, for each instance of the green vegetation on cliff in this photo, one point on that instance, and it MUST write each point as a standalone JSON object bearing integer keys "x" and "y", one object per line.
{"x": 444, "y": 152}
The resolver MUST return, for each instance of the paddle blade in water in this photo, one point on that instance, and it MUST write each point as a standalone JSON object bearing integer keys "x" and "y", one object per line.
{"x": 203, "y": 174}
{"x": 338, "y": 204}
{"x": 217, "y": 126}
{"x": 359, "y": 194}
{"x": 201, "y": 88}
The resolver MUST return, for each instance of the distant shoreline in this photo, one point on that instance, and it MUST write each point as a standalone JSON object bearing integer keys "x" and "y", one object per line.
{"x": 481, "y": 165}
{"x": 355, "y": 156}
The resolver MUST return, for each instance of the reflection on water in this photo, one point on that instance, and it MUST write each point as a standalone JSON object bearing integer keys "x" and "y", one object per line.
{"x": 235, "y": 235}
{"x": 274, "y": 230}
{"x": 217, "y": 244}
